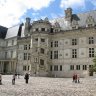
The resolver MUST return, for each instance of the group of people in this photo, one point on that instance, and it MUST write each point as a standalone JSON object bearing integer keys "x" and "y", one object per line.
{"x": 26, "y": 77}
{"x": 76, "y": 78}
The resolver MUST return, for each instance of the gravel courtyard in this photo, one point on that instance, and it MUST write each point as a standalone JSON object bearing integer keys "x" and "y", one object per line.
{"x": 40, "y": 86}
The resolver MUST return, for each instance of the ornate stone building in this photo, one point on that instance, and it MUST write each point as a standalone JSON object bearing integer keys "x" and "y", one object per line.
{"x": 60, "y": 47}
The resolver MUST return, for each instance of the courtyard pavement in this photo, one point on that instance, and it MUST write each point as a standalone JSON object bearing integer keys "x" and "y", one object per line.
{"x": 44, "y": 86}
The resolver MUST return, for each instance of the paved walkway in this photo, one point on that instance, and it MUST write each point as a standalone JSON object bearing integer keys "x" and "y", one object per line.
{"x": 40, "y": 86}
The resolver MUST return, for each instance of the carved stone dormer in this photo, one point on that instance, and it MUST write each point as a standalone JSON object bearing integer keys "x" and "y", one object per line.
{"x": 46, "y": 19}
{"x": 57, "y": 27}
{"x": 90, "y": 21}
{"x": 68, "y": 14}
{"x": 74, "y": 24}
{"x": 27, "y": 26}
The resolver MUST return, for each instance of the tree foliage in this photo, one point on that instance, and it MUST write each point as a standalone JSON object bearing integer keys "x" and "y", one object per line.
{"x": 93, "y": 68}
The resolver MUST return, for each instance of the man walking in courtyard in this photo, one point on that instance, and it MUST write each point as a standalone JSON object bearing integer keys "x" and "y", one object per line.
{"x": 26, "y": 78}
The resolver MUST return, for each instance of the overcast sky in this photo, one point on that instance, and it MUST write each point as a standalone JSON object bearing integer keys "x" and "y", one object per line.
{"x": 13, "y": 12}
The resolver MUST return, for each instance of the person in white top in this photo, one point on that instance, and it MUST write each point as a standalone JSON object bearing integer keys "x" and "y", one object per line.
{"x": 78, "y": 78}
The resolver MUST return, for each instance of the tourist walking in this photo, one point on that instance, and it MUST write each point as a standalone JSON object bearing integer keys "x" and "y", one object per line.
{"x": 78, "y": 78}
{"x": 26, "y": 78}
{"x": 18, "y": 75}
{"x": 74, "y": 78}
{"x": 13, "y": 80}
{"x": 0, "y": 79}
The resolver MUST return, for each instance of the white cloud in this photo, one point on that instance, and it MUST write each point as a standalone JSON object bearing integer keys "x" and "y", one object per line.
{"x": 35, "y": 14}
{"x": 72, "y": 3}
{"x": 12, "y": 10}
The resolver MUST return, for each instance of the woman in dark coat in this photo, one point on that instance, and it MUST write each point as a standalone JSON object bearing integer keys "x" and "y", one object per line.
{"x": 13, "y": 80}
{"x": 74, "y": 78}
{"x": 26, "y": 78}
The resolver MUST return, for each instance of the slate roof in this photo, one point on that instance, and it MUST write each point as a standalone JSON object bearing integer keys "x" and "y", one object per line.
{"x": 3, "y": 31}
{"x": 81, "y": 18}
{"x": 64, "y": 24}
{"x": 14, "y": 31}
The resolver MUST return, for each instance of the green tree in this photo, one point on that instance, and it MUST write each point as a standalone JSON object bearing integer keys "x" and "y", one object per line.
{"x": 94, "y": 65}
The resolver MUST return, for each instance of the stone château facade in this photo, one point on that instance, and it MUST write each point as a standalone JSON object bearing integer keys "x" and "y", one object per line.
{"x": 58, "y": 47}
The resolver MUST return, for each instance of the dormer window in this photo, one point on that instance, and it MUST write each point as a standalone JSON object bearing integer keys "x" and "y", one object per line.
{"x": 90, "y": 21}
{"x": 74, "y": 24}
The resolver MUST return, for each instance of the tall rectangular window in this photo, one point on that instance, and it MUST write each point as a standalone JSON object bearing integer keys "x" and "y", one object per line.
{"x": 51, "y": 55}
{"x": 41, "y": 62}
{"x": 51, "y": 44}
{"x": 77, "y": 67}
{"x": 91, "y": 40}
{"x": 74, "y": 41}
{"x": 35, "y": 60}
{"x": 55, "y": 67}
{"x": 12, "y": 42}
{"x": 29, "y": 46}
{"x": 56, "y": 44}
{"x": 6, "y": 55}
{"x": 84, "y": 67}
{"x": 74, "y": 53}
{"x": 55, "y": 54}
{"x": 42, "y": 50}
{"x": 60, "y": 67}
{"x": 71, "y": 67}
{"x": 28, "y": 67}
{"x": 25, "y": 56}
{"x": 50, "y": 67}
{"x": 28, "y": 56}
{"x": 25, "y": 47}
{"x": 24, "y": 68}
{"x": 91, "y": 52}
{"x": 11, "y": 54}
{"x": 6, "y": 43}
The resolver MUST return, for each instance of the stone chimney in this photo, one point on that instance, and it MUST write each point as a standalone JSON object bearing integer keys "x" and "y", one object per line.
{"x": 68, "y": 14}
{"x": 27, "y": 26}
{"x": 27, "y": 23}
